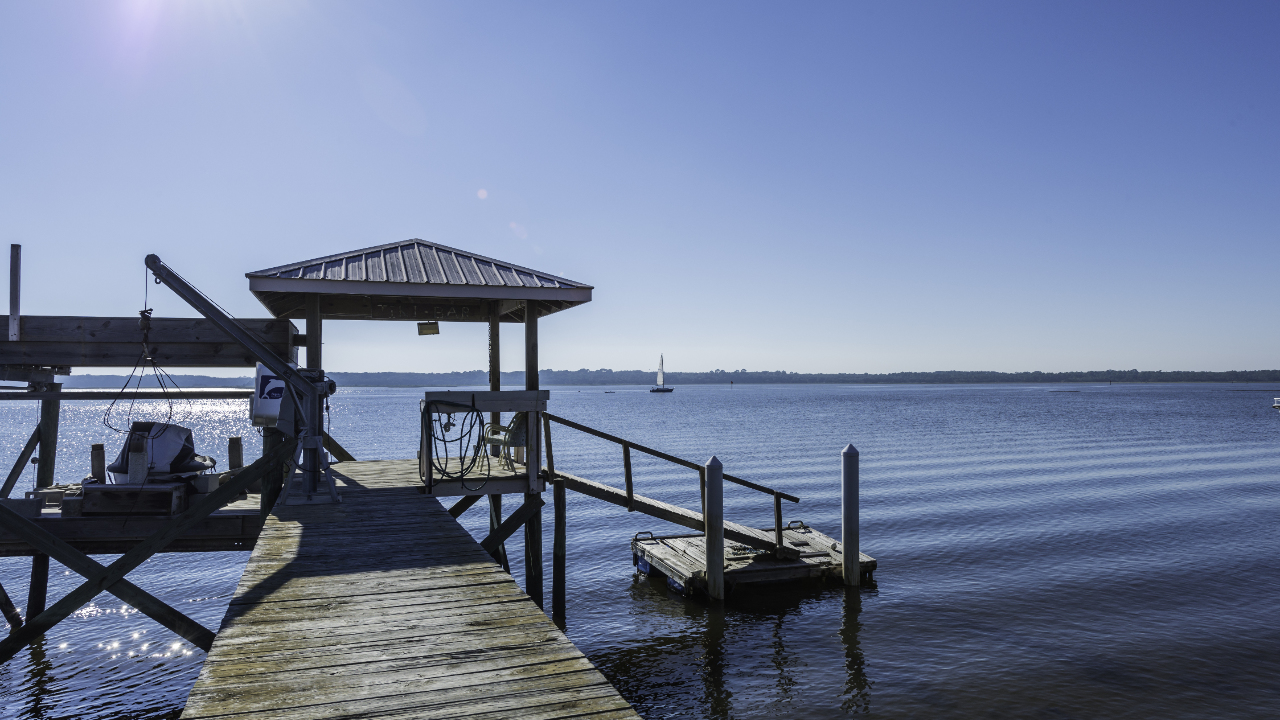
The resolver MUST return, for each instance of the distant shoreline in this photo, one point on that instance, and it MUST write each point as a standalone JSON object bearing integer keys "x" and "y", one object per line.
{"x": 717, "y": 377}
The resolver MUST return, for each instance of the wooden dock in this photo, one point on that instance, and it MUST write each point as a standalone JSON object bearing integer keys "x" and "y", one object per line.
{"x": 384, "y": 606}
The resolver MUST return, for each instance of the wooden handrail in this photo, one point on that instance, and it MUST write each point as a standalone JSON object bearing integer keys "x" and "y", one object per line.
{"x": 669, "y": 458}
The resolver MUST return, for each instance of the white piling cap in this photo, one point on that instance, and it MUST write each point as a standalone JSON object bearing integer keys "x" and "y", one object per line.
{"x": 714, "y": 462}
{"x": 849, "y": 450}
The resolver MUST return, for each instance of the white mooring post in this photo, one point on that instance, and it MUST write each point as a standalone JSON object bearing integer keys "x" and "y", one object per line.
{"x": 849, "y": 545}
{"x": 714, "y": 528}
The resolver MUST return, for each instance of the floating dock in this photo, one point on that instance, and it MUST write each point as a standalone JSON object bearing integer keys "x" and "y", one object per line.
{"x": 384, "y": 606}
{"x": 682, "y": 560}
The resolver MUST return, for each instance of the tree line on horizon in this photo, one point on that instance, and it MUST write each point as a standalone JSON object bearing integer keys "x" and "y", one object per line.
{"x": 714, "y": 377}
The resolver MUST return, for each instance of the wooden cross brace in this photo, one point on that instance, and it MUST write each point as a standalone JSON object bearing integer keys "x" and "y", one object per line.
{"x": 111, "y": 578}
{"x": 532, "y": 504}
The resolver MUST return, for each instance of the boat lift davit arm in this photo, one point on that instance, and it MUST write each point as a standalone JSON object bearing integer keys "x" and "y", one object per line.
{"x": 312, "y": 391}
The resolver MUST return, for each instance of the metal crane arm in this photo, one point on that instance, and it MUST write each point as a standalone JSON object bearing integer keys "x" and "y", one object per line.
{"x": 227, "y": 324}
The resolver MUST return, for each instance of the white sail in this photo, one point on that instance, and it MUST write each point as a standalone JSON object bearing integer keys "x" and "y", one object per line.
{"x": 659, "y": 371}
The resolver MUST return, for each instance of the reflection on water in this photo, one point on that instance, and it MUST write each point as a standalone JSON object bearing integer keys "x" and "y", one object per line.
{"x": 749, "y": 648}
{"x": 1107, "y": 553}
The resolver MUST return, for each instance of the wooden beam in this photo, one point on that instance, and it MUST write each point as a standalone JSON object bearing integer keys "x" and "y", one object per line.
{"x": 456, "y": 510}
{"x": 532, "y": 506}
{"x": 24, "y": 457}
{"x": 230, "y": 394}
{"x": 337, "y": 450}
{"x": 107, "y": 342}
{"x": 77, "y": 330}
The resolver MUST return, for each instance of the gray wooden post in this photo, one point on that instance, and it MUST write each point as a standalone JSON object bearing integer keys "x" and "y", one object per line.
{"x": 15, "y": 293}
{"x": 272, "y": 438}
{"x": 714, "y": 533}
{"x": 48, "y": 436}
{"x": 38, "y": 590}
{"x": 849, "y": 545}
{"x": 98, "y": 462}
{"x": 235, "y": 453}
{"x": 533, "y": 461}
{"x": 312, "y": 406}
{"x": 495, "y": 384}
{"x": 559, "y": 539}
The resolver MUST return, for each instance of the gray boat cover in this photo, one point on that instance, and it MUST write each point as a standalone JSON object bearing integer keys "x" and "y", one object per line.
{"x": 171, "y": 453}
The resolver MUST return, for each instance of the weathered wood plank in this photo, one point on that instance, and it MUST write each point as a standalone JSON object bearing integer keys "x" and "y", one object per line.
{"x": 385, "y": 607}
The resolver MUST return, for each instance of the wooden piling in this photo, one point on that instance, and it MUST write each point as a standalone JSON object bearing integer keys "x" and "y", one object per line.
{"x": 272, "y": 438}
{"x": 495, "y": 384}
{"x": 38, "y": 589}
{"x": 495, "y": 520}
{"x": 714, "y": 499}
{"x": 15, "y": 293}
{"x": 49, "y": 409}
{"x": 559, "y": 543}
{"x": 532, "y": 528}
{"x": 98, "y": 462}
{"x": 849, "y": 541}
{"x": 311, "y": 406}
{"x": 235, "y": 453}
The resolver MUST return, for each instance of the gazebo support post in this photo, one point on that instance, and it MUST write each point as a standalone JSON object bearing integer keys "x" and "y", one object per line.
{"x": 495, "y": 384}
{"x": 533, "y": 459}
{"x": 313, "y": 408}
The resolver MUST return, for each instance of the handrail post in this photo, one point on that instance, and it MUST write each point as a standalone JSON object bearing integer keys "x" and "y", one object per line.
{"x": 849, "y": 544}
{"x": 713, "y": 520}
{"x": 626, "y": 470}
{"x": 702, "y": 491}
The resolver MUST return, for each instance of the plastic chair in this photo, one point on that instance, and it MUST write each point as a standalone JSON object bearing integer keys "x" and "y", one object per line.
{"x": 513, "y": 434}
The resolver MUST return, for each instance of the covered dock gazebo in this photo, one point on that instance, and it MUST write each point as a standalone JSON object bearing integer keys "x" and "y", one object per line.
{"x": 427, "y": 282}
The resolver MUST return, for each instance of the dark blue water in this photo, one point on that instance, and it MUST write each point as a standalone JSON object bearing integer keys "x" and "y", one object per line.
{"x": 1106, "y": 552}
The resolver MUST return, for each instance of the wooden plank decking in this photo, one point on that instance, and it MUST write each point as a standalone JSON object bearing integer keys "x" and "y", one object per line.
{"x": 383, "y": 606}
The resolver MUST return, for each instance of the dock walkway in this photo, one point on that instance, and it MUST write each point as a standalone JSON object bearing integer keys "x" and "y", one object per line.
{"x": 384, "y": 606}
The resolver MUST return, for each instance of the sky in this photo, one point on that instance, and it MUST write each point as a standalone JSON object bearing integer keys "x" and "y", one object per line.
{"x": 811, "y": 187}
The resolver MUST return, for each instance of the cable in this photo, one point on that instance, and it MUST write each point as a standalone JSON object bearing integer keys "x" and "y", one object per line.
{"x": 433, "y": 419}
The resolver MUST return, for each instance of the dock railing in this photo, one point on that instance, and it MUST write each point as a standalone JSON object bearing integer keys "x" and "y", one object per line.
{"x": 628, "y": 446}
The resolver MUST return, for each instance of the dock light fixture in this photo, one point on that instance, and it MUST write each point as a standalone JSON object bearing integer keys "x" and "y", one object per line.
{"x": 430, "y": 327}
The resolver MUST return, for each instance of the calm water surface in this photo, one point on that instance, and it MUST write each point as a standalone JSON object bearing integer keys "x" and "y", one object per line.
{"x": 1045, "y": 552}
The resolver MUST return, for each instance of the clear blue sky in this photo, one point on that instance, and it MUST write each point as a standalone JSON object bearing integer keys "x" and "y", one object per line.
{"x": 815, "y": 187}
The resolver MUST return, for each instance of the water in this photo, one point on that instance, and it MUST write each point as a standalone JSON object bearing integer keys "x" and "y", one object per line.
{"x": 1045, "y": 552}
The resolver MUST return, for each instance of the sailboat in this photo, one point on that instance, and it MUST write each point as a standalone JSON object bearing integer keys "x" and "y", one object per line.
{"x": 661, "y": 387}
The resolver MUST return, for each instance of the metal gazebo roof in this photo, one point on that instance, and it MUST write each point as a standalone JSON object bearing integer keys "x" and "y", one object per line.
{"x": 412, "y": 280}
